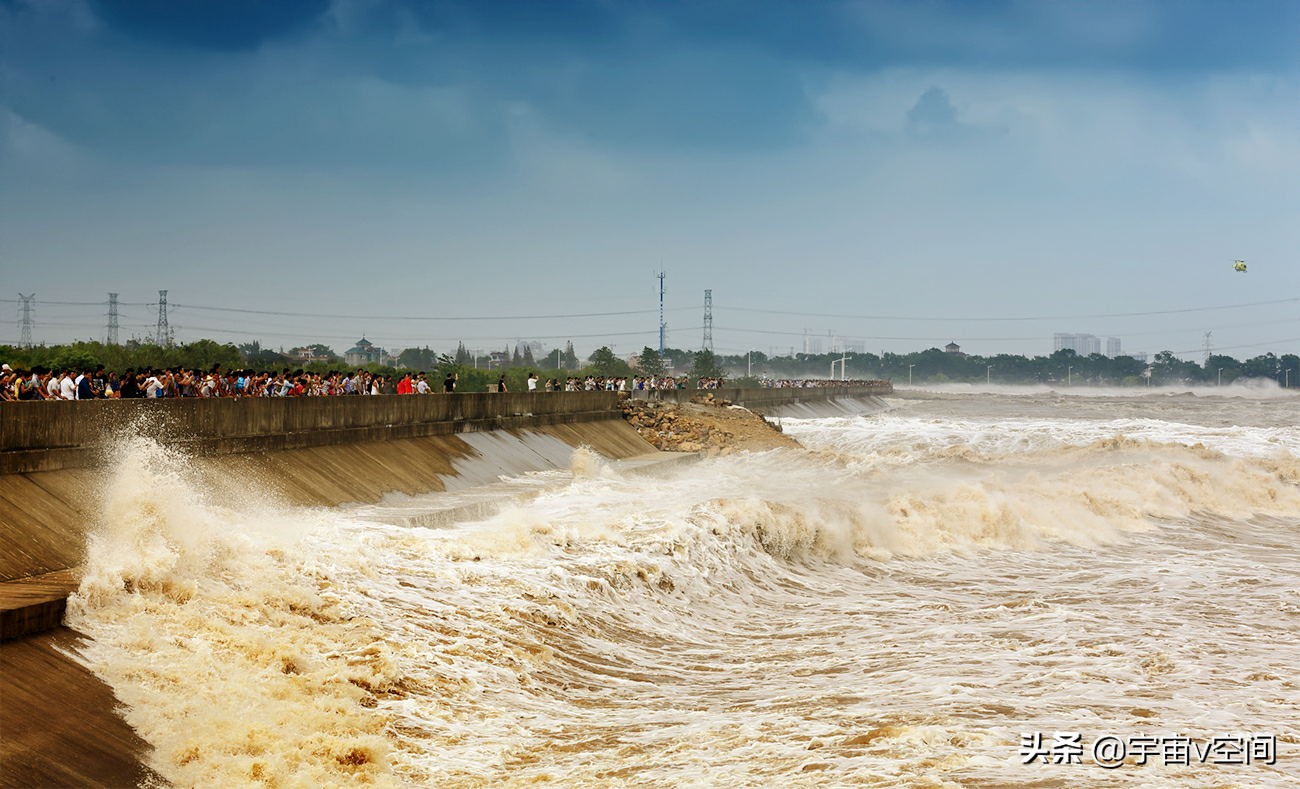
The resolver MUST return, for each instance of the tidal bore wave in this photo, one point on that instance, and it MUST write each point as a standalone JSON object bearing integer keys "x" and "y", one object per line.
{"x": 890, "y": 606}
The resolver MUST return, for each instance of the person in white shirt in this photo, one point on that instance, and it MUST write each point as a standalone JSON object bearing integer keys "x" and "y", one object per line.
{"x": 421, "y": 385}
{"x": 153, "y": 387}
{"x": 67, "y": 387}
{"x": 532, "y": 382}
{"x": 52, "y": 387}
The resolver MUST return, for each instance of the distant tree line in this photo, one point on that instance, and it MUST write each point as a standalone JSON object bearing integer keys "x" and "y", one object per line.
{"x": 936, "y": 366}
{"x": 476, "y": 372}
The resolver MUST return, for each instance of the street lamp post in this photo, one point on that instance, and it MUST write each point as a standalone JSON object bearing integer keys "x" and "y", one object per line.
{"x": 1069, "y": 377}
{"x": 1287, "y": 385}
{"x": 909, "y": 374}
{"x": 1220, "y": 376}
{"x": 988, "y": 374}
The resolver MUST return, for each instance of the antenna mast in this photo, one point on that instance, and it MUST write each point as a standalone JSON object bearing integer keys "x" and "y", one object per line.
{"x": 708, "y": 320}
{"x": 662, "y": 326}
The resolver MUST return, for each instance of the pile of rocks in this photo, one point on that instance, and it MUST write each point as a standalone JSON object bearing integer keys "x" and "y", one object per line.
{"x": 706, "y": 425}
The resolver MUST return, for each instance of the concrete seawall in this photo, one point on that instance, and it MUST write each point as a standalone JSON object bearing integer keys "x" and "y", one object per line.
{"x": 56, "y": 461}
{"x": 51, "y": 436}
{"x": 313, "y": 451}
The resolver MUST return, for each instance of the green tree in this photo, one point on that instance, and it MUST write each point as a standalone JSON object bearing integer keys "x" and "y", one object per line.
{"x": 570, "y": 358}
{"x": 605, "y": 362}
{"x": 462, "y": 355}
{"x": 705, "y": 365}
{"x": 650, "y": 362}
{"x": 75, "y": 358}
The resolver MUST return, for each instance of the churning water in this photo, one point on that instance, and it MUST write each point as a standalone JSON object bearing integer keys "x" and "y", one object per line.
{"x": 896, "y": 605}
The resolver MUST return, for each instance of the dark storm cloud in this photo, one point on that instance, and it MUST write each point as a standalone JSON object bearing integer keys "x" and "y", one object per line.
{"x": 224, "y": 25}
{"x": 432, "y": 86}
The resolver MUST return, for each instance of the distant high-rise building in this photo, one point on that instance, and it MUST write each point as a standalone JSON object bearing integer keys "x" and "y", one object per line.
{"x": 1113, "y": 347}
{"x": 1082, "y": 344}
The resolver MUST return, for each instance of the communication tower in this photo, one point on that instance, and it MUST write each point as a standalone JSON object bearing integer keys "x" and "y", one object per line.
{"x": 663, "y": 327}
{"x": 708, "y": 320}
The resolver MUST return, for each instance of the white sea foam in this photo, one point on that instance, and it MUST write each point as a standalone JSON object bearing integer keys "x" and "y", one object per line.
{"x": 891, "y": 607}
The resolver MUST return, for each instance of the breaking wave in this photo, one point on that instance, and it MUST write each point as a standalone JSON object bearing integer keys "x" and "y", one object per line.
{"x": 855, "y": 612}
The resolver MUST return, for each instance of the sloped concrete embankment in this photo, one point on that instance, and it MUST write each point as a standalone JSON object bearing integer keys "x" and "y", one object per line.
{"x": 57, "y": 718}
{"x": 58, "y": 721}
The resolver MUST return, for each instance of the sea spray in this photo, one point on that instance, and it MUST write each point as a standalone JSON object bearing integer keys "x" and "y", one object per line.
{"x": 890, "y": 607}
{"x": 219, "y": 630}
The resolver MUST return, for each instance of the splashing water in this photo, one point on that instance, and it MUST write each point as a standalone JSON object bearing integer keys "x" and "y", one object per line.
{"x": 892, "y": 606}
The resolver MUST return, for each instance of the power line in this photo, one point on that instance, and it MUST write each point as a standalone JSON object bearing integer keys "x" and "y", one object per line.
{"x": 415, "y": 317}
{"x": 1011, "y": 338}
{"x": 952, "y": 318}
{"x": 185, "y": 328}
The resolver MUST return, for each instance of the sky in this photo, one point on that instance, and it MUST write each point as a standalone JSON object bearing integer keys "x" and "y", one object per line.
{"x": 895, "y": 174}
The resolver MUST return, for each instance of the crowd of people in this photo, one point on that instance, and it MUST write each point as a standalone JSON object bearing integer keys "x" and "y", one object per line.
{"x": 810, "y": 383}
{"x": 90, "y": 384}
{"x": 87, "y": 384}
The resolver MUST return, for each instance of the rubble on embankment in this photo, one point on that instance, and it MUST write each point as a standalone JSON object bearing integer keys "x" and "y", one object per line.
{"x": 707, "y": 425}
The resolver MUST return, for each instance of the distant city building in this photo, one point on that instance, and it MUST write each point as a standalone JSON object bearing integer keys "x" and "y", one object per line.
{"x": 953, "y": 347}
{"x": 363, "y": 353}
{"x": 1082, "y": 344}
{"x": 812, "y": 345}
{"x": 1113, "y": 348}
{"x": 1141, "y": 356}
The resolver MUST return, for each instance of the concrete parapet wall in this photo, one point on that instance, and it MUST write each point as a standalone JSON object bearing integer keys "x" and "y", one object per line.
{"x": 47, "y": 436}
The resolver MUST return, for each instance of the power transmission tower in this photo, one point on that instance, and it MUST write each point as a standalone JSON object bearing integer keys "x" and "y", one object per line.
{"x": 1208, "y": 347}
{"x": 25, "y": 340}
{"x": 111, "y": 337}
{"x": 163, "y": 335}
{"x": 662, "y": 326}
{"x": 708, "y": 320}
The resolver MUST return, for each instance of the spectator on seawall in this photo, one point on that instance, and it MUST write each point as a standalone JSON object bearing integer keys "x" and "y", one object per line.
{"x": 83, "y": 383}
